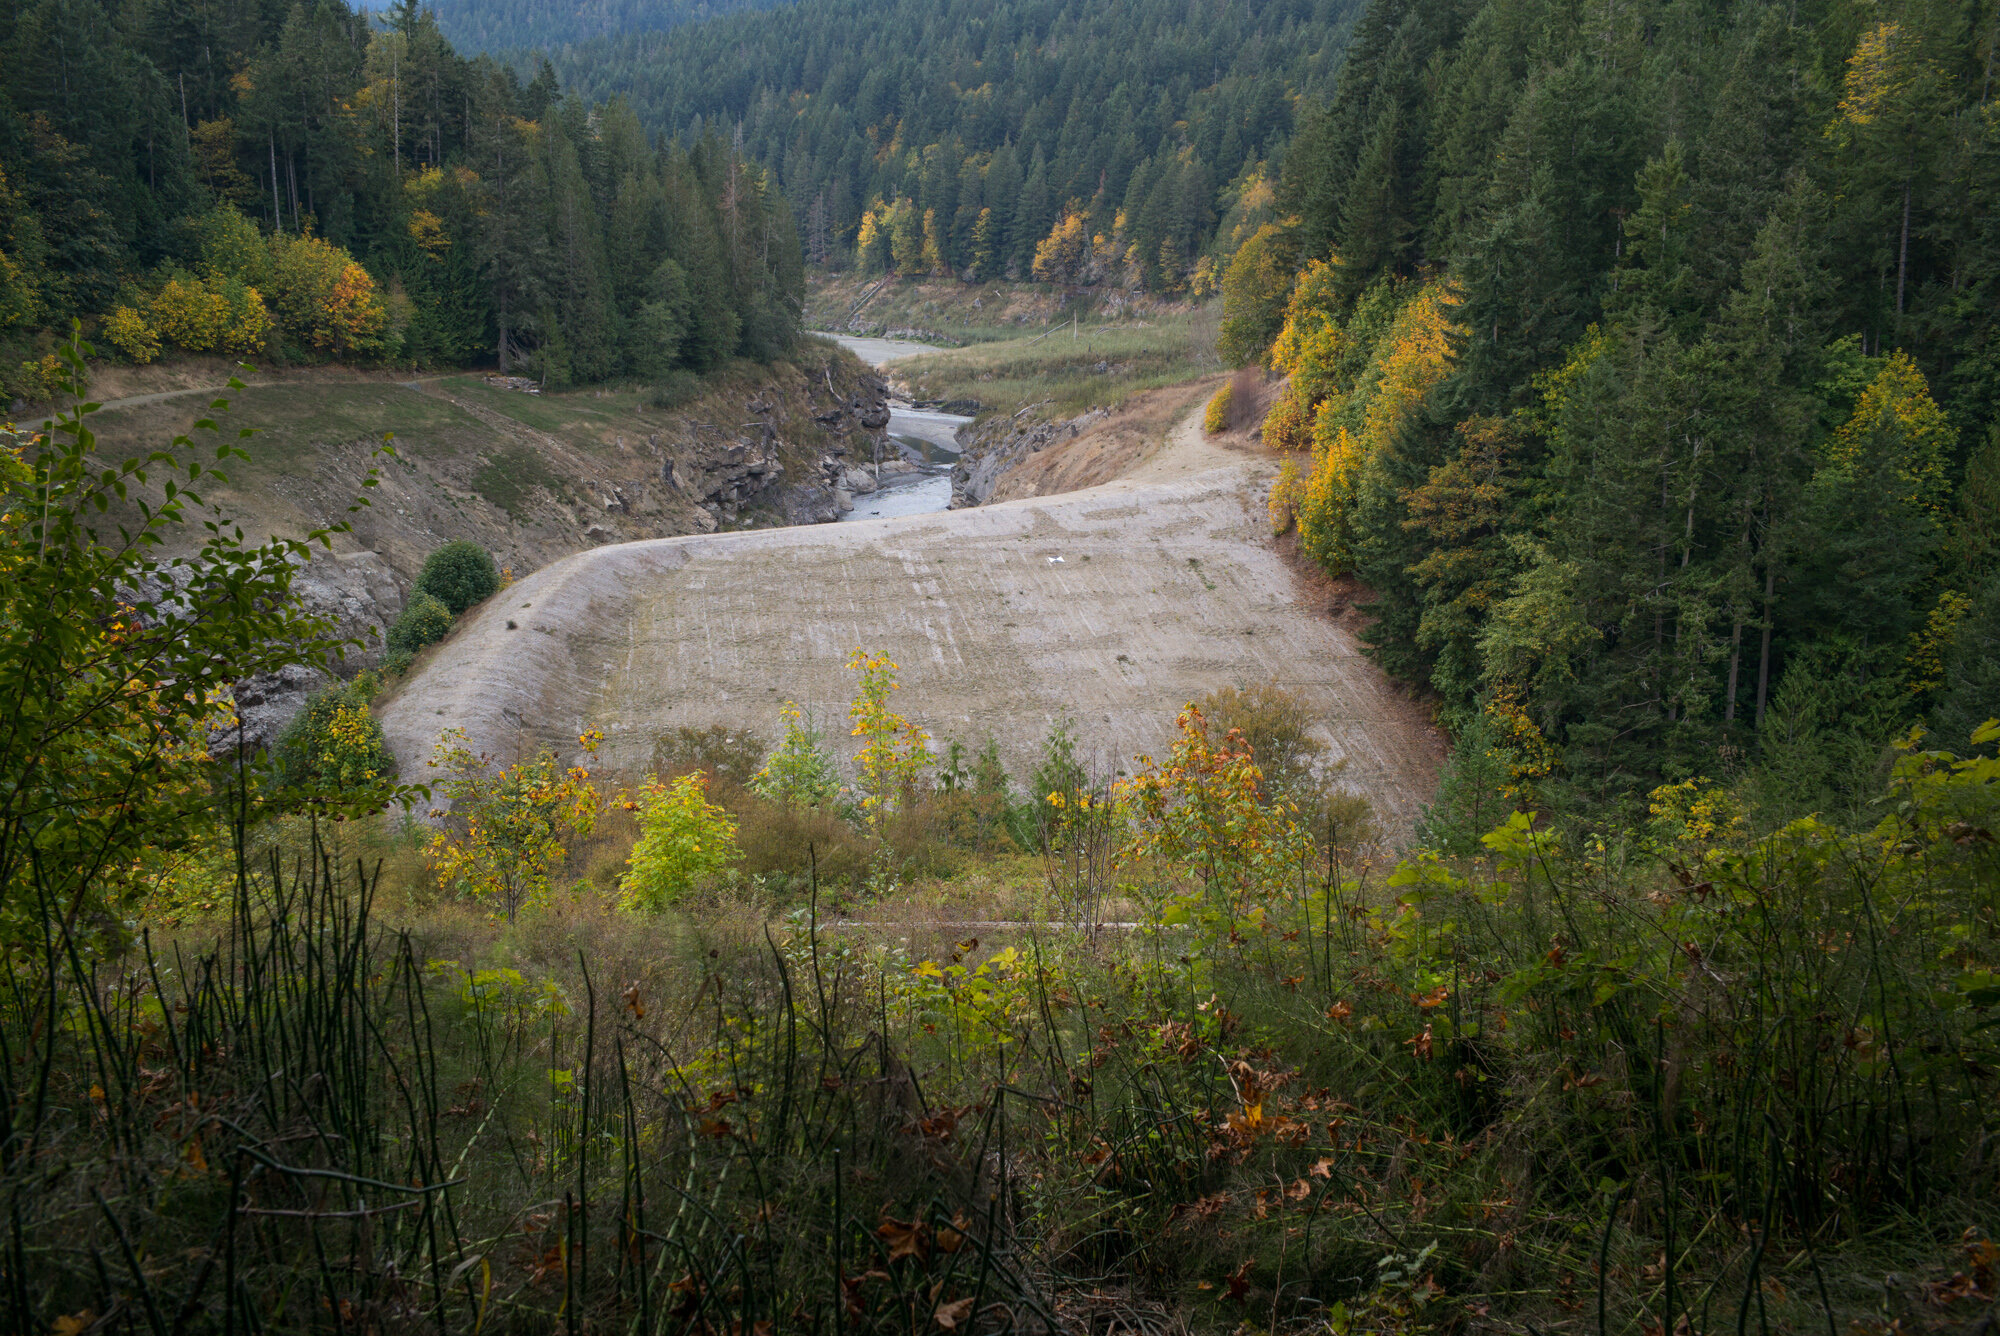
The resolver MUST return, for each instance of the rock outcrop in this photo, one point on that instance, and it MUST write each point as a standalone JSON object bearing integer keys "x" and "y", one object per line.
{"x": 729, "y": 477}
{"x": 358, "y": 597}
{"x": 993, "y": 447}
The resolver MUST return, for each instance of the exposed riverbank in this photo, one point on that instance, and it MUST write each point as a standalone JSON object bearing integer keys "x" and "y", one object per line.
{"x": 917, "y": 480}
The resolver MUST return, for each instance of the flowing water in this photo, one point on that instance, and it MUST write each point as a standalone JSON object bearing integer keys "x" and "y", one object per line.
{"x": 923, "y": 437}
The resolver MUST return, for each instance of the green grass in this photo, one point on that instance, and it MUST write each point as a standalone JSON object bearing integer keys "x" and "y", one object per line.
{"x": 1073, "y": 370}
{"x": 575, "y": 415}
{"x": 509, "y": 478}
{"x": 953, "y": 313}
{"x": 294, "y": 419}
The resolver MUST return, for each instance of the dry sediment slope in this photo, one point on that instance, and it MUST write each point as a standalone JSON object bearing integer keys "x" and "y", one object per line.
{"x": 1118, "y": 603}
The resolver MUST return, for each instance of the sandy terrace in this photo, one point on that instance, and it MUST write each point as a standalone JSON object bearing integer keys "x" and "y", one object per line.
{"x": 1119, "y": 603}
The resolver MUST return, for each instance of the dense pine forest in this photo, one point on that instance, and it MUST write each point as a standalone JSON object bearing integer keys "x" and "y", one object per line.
{"x": 956, "y": 138}
{"x": 493, "y": 26}
{"x": 296, "y": 181}
{"x": 1643, "y": 362}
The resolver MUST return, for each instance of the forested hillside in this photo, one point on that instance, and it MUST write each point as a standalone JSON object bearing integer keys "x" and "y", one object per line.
{"x": 1646, "y": 363}
{"x": 489, "y": 26}
{"x": 954, "y": 136}
{"x": 295, "y": 181}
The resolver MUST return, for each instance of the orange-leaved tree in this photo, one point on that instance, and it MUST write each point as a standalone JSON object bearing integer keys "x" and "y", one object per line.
{"x": 326, "y": 300}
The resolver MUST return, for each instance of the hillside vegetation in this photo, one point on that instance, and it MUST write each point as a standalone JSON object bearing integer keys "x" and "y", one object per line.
{"x": 299, "y": 184}
{"x": 494, "y": 26}
{"x": 1642, "y": 364}
{"x": 957, "y": 137}
{"x": 531, "y": 478}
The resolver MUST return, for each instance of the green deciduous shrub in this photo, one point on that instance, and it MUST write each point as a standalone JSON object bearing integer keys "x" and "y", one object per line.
{"x": 675, "y": 388}
{"x": 684, "y": 840}
{"x": 425, "y": 621}
{"x": 801, "y": 772}
{"x": 458, "y": 575}
{"x": 334, "y": 748}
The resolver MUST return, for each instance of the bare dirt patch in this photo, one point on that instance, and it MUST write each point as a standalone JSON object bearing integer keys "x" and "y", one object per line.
{"x": 1110, "y": 449}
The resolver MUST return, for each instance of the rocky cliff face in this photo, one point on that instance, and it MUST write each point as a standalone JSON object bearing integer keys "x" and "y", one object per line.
{"x": 359, "y": 597}
{"x": 731, "y": 478}
{"x": 993, "y": 447}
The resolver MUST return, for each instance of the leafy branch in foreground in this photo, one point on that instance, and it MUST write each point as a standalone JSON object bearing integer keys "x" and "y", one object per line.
{"x": 115, "y": 657}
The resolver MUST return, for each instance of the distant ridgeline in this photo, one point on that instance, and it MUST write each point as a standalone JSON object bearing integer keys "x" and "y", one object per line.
{"x": 1644, "y": 361}
{"x": 262, "y": 177}
{"x": 1125, "y": 142}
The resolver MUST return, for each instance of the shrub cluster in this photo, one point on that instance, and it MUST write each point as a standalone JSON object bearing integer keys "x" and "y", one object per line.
{"x": 333, "y": 751}
{"x": 459, "y": 575}
{"x": 1215, "y": 418}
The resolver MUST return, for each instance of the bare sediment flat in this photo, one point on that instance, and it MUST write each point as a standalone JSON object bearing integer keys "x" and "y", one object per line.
{"x": 1117, "y": 604}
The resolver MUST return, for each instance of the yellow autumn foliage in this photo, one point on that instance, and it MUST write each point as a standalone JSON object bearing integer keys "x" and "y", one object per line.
{"x": 327, "y": 301}
{"x": 1215, "y": 418}
{"x": 428, "y": 232}
{"x": 207, "y": 315}
{"x": 1897, "y": 421}
{"x": 1872, "y": 75}
{"x": 189, "y": 315}
{"x": 127, "y": 331}
{"x": 1062, "y": 254}
{"x": 1350, "y": 423}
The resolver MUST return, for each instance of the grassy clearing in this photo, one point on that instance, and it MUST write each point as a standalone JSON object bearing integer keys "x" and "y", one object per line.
{"x": 1070, "y": 370}
{"x": 295, "y": 419}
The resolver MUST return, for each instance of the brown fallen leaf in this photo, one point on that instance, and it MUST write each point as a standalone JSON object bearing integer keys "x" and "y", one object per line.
{"x": 904, "y": 1240}
{"x": 950, "y": 1315}
{"x": 951, "y": 1237}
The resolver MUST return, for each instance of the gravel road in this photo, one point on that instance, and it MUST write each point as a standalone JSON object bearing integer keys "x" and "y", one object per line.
{"x": 1118, "y": 603}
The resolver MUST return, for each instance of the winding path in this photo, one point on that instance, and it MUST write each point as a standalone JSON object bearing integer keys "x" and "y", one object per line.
{"x": 1118, "y": 604}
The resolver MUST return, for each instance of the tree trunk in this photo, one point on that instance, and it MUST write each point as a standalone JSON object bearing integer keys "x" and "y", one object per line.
{"x": 1764, "y": 650}
{"x": 1903, "y": 252}
{"x": 1735, "y": 659}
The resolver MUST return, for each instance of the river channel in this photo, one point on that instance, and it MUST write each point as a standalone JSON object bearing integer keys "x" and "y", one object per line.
{"x": 924, "y": 439}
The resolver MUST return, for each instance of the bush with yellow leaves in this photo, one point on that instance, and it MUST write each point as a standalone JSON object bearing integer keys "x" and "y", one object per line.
{"x": 127, "y": 331}
{"x": 684, "y": 840}
{"x": 1215, "y": 419}
{"x": 206, "y": 315}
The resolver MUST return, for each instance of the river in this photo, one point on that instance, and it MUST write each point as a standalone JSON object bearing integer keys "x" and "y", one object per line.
{"x": 926, "y": 439}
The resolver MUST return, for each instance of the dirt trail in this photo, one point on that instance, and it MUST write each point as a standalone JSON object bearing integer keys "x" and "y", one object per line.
{"x": 1118, "y": 603}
